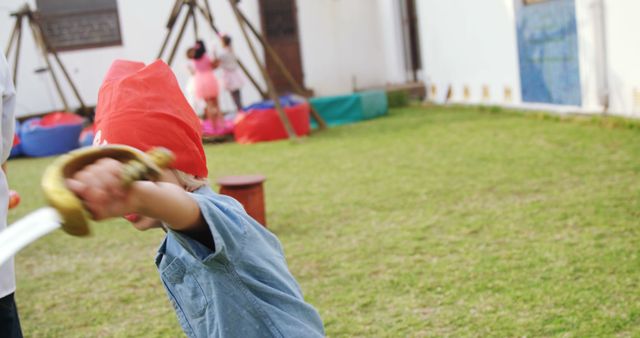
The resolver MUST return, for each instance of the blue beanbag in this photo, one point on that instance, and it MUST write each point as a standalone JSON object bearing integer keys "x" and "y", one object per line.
{"x": 39, "y": 141}
{"x": 285, "y": 101}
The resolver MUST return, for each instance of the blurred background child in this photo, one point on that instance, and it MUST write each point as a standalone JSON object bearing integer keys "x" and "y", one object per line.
{"x": 205, "y": 85}
{"x": 232, "y": 79}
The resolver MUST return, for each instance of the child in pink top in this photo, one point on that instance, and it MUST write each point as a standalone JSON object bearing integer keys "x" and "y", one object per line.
{"x": 206, "y": 84}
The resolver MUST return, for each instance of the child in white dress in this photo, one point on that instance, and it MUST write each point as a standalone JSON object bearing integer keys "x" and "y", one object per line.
{"x": 232, "y": 79}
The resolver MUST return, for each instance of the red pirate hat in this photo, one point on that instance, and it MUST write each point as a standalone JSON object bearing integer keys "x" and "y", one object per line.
{"x": 143, "y": 107}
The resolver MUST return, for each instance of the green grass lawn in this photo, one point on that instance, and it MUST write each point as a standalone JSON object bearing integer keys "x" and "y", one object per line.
{"x": 429, "y": 222}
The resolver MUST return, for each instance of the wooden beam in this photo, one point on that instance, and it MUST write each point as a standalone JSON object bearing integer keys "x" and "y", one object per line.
{"x": 14, "y": 31}
{"x": 192, "y": 13}
{"x": 53, "y": 52}
{"x": 175, "y": 12}
{"x": 270, "y": 87}
{"x": 179, "y": 38}
{"x": 40, "y": 44}
{"x": 209, "y": 16}
{"x": 17, "y": 51}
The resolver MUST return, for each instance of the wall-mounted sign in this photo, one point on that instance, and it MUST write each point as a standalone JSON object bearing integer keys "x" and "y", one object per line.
{"x": 548, "y": 52}
{"x": 80, "y": 24}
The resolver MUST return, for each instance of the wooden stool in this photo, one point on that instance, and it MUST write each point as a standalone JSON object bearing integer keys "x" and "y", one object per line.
{"x": 248, "y": 191}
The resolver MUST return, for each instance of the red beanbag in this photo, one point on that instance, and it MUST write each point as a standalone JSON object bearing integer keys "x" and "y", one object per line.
{"x": 60, "y": 118}
{"x": 265, "y": 125}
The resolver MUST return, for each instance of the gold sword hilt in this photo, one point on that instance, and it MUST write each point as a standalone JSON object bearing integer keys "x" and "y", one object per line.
{"x": 139, "y": 166}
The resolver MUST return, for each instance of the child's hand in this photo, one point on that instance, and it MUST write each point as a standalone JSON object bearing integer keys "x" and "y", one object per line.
{"x": 99, "y": 186}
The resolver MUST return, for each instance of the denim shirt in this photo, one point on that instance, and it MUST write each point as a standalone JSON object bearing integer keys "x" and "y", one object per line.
{"x": 242, "y": 288}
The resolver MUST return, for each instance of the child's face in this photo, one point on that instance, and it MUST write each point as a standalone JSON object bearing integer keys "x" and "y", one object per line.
{"x": 143, "y": 223}
{"x": 191, "y": 53}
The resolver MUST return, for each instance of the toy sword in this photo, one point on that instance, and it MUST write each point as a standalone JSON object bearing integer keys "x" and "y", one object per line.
{"x": 65, "y": 209}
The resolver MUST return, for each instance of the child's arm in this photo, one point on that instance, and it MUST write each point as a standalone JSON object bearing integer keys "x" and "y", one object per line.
{"x": 99, "y": 186}
{"x": 215, "y": 63}
{"x": 172, "y": 205}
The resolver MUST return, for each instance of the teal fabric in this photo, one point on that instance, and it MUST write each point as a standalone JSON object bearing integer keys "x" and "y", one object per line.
{"x": 345, "y": 109}
{"x": 374, "y": 104}
{"x": 337, "y": 110}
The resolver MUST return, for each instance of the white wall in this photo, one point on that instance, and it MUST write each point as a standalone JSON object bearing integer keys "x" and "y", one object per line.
{"x": 623, "y": 44}
{"x": 590, "y": 38}
{"x": 142, "y": 39}
{"x": 469, "y": 43}
{"x": 391, "y": 26}
{"x": 343, "y": 43}
{"x": 473, "y": 43}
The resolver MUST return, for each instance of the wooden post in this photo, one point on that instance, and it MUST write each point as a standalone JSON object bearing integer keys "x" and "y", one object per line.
{"x": 43, "y": 49}
{"x": 14, "y": 31}
{"x": 17, "y": 52}
{"x": 164, "y": 44}
{"x": 180, "y": 33}
{"x": 208, "y": 14}
{"x": 192, "y": 14}
{"x": 270, "y": 87}
{"x": 175, "y": 12}
{"x": 61, "y": 65}
{"x": 283, "y": 69}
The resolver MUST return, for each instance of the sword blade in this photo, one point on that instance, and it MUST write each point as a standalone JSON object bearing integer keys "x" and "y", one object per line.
{"x": 27, "y": 230}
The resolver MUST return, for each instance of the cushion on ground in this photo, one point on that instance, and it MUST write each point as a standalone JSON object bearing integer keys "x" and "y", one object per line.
{"x": 338, "y": 110}
{"x": 86, "y": 136}
{"x": 60, "y": 118}
{"x": 16, "y": 149}
{"x": 285, "y": 101}
{"x": 261, "y": 125}
{"x": 374, "y": 103}
{"x": 345, "y": 109}
{"x": 53, "y": 134}
{"x": 225, "y": 127}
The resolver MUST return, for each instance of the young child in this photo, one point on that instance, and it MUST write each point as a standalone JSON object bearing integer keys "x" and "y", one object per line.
{"x": 206, "y": 84}
{"x": 232, "y": 79}
{"x": 224, "y": 273}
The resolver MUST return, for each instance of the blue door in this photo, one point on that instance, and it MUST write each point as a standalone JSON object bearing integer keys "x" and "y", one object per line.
{"x": 548, "y": 51}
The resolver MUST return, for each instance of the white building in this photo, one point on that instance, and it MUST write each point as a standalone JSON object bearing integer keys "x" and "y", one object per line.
{"x": 497, "y": 52}
{"x": 471, "y": 51}
{"x": 341, "y": 45}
